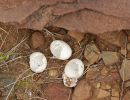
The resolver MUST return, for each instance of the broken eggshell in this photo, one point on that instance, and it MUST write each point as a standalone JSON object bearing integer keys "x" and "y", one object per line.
{"x": 60, "y": 50}
{"x": 38, "y": 62}
{"x": 73, "y": 71}
{"x": 69, "y": 82}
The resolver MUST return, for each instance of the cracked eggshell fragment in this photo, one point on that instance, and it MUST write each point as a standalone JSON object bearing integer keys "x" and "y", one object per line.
{"x": 69, "y": 82}
{"x": 38, "y": 62}
{"x": 74, "y": 68}
{"x": 60, "y": 50}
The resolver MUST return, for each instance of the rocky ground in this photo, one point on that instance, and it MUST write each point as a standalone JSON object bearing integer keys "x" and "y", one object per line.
{"x": 106, "y": 57}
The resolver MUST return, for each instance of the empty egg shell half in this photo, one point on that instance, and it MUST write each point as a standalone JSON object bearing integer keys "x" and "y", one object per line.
{"x": 38, "y": 62}
{"x": 74, "y": 68}
{"x": 60, "y": 50}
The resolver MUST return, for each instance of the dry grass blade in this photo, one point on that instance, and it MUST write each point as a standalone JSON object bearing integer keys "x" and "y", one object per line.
{"x": 7, "y": 33}
{"x": 18, "y": 44}
{"x": 123, "y": 81}
{"x": 40, "y": 98}
{"x": 15, "y": 83}
{"x": 12, "y": 60}
{"x": 70, "y": 95}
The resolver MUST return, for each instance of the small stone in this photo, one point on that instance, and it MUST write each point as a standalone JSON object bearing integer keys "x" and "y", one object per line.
{"x": 125, "y": 70}
{"x": 110, "y": 57}
{"x": 114, "y": 98}
{"x": 53, "y": 73}
{"x": 37, "y": 40}
{"x": 82, "y": 91}
{"x": 76, "y": 35}
{"x": 92, "y": 53}
{"x": 102, "y": 94}
{"x": 117, "y": 38}
{"x": 115, "y": 93}
{"x": 56, "y": 91}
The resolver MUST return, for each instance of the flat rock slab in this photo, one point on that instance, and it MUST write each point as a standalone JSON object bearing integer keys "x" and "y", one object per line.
{"x": 92, "y": 53}
{"x": 110, "y": 57}
{"x": 83, "y": 91}
{"x": 80, "y": 15}
{"x": 56, "y": 91}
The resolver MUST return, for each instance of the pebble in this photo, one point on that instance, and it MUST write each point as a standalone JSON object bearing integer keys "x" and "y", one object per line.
{"x": 53, "y": 73}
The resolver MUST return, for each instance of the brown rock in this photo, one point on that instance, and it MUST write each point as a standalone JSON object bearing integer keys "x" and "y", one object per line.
{"x": 76, "y": 35}
{"x": 117, "y": 38}
{"x": 114, "y": 98}
{"x": 37, "y": 40}
{"x": 92, "y": 73}
{"x": 127, "y": 96}
{"x": 125, "y": 70}
{"x": 82, "y": 91}
{"x": 128, "y": 55}
{"x": 110, "y": 57}
{"x": 115, "y": 93}
{"x": 92, "y": 53}
{"x": 102, "y": 93}
{"x": 57, "y": 92}
{"x": 127, "y": 84}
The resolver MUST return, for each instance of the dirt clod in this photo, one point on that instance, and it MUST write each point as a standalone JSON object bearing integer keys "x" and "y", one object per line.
{"x": 37, "y": 40}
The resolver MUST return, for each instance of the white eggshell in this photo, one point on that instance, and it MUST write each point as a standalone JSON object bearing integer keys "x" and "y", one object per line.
{"x": 74, "y": 68}
{"x": 69, "y": 82}
{"x": 38, "y": 62}
{"x": 60, "y": 50}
